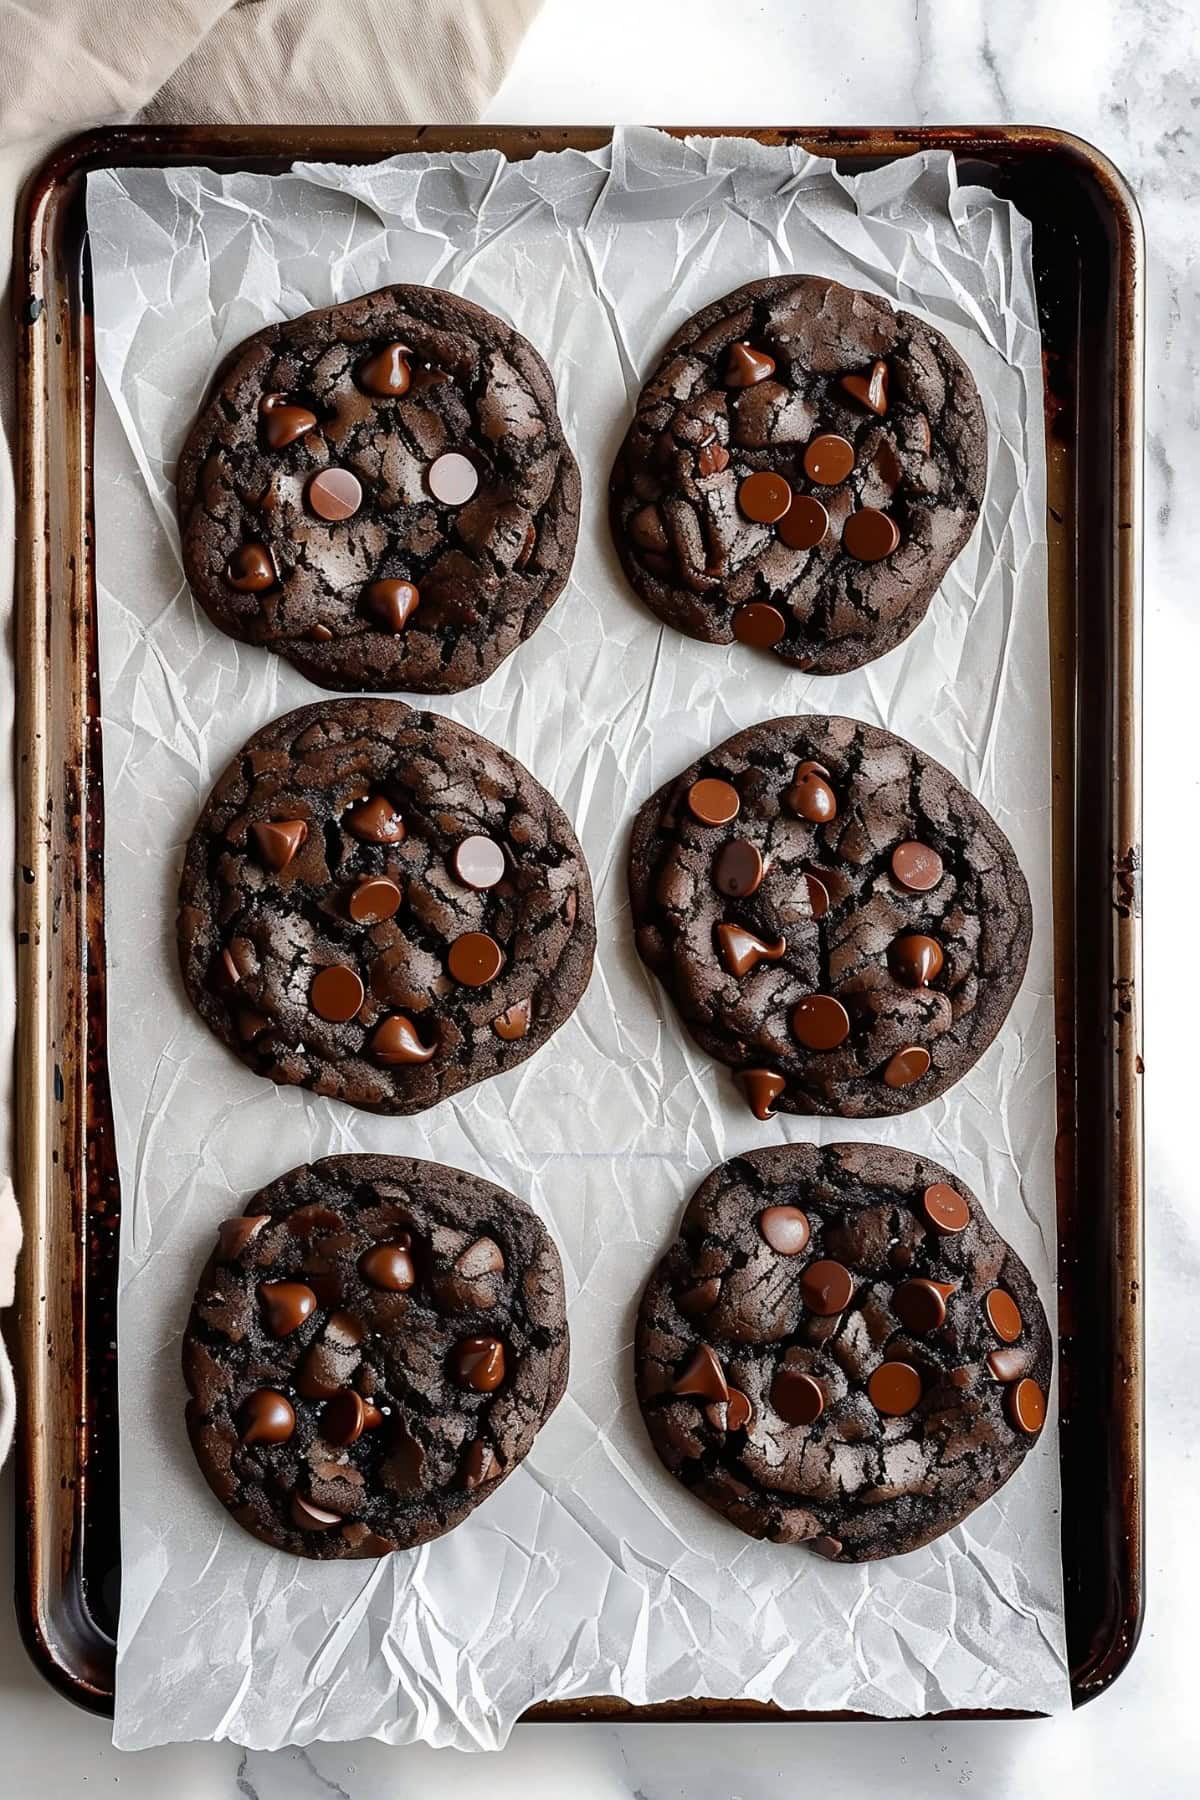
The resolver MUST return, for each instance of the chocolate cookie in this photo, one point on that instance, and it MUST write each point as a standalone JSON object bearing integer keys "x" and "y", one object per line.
{"x": 381, "y": 906}
{"x": 373, "y": 1347}
{"x": 840, "y": 1350}
{"x": 833, "y": 914}
{"x": 804, "y": 465}
{"x": 381, "y": 492}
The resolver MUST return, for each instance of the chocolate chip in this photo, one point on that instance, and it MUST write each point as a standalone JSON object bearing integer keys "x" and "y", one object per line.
{"x": 920, "y": 1304}
{"x": 344, "y": 1331}
{"x": 915, "y": 960}
{"x": 395, "y": 1041}
{"x": 376, "y": 897}
{"x": 869, "y": 390}
{"x": 391, "y": 603}
{"x": 334, "y": 494}
{"x": 478, "y": 861}
{"x": 389, "y": 1266}
{"x": 713, "y": 802}
{"x": 818, "y": 895}
{"x": 234, "y": 1234}
{"x": 283, "y": 422}
{"x": 474, "y": 959}
{"x": 320, "y": 634}
{"x": 1004, "y": 1315}
{"x": 945, "y": 1209}
{"x": 375, "y": 821}
{"x": 266, "y": 1417}
{"x": 452, "y": 478}
{"x": 885, "y": 467}
{"x": 828, "y": 459}
{"x": 648, "y": 531}
{"x": 336, "y": 993}
{"x": 738, "y": 1411}
{"x": 811, "y": 797}
{"x": 331, "y": 1359}
{"x": 1008, "y": 1365}
{"x": 820, "y": 1022}
{"x": 387, "y": 372}
{"x": 703, "y": 1376}
{"x": 826, "y": 1288}
{"x": 738, "y": 869}
{"x": 286, "y": 1305}
{"x": 869, "y": 535}
{"x": 916, "y": 866}
{"x": 828, "y": 1547}
{"x": 226, "y": 974}
{"x": 483, "y": 1257}
{"x": 742, "y": 950}
{"x": 746, "y": 367}
{"x": 313, "y": 1221}
{"x": 906, "y": 1067}
{"x": 343, "y": 1419}
{"x": 762, "y": 1088}
{"x": 894, "y": 1389}
{"x": 513, "y": 1023}
{"x": 804, "y": 524}
{"x": 308, "y": 1517}
{"x": 251, "y": 569}
{"x": 764, "y": 497}
{"x": 711, "y": 459}
{"x": 251, "y": 1024}
{"x": 700, "y": 1299}
{"x": 785, "y": 1228}
{"x": 366, "y": 1543}
{"x": 479, "y": 1465}
{"x": 1026, "y": 1405}
{"x": 759, "y": 625}
{"x": 277, "y": 842}
{"x": 796, "y": 1397}
{"x": 478, "y": 1363}
{"x": 401, "y": 1472}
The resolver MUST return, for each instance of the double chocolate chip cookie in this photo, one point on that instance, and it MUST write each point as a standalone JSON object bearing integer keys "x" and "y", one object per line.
{"x": 373, "y": 1347}
{"x": 839, "y": 1350}
{"x": 381, "y": 906}
{"x": 382, "y": 492}
{"x": 803, "y": 466}
{"x": 833, "y": 914}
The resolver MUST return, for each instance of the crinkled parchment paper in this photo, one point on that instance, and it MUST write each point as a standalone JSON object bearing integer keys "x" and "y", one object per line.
{"x": 590, "y": 1571}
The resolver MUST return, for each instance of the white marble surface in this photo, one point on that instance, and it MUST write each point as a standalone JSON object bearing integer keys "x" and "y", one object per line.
{"x": 1126, "y": 75}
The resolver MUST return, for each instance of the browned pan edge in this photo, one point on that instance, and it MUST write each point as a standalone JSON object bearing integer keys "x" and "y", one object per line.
{"x": 1088, "y": 261}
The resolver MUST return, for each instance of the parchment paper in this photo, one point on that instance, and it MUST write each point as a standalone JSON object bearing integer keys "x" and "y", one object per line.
{"x": 590, "y": 1571}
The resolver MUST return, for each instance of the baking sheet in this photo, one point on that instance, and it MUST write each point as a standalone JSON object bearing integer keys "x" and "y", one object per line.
{"x": 590, "y": 1571}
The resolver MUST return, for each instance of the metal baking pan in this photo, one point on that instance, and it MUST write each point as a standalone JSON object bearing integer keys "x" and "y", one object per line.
{"x": 1088, "y": 257}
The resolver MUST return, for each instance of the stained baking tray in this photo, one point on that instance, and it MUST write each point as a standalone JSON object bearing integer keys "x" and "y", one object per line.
{"x": 1088, "y": 259}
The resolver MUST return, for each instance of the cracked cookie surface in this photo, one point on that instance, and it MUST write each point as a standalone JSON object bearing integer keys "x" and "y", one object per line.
{"x": 839, "y": 1350}
{"x": 382, "y": 906}
{"x": 381, "y": 492}
{"x": 803, "y": 466}
{"x": 833, "y": 914}
{"x": 372, "y": 1349}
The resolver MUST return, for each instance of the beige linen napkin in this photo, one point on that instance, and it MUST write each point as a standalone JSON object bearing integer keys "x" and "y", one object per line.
{"x": 68, "y": 64}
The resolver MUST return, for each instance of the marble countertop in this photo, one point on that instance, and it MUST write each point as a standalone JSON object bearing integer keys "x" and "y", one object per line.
{"x": 1124, "y": 74}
